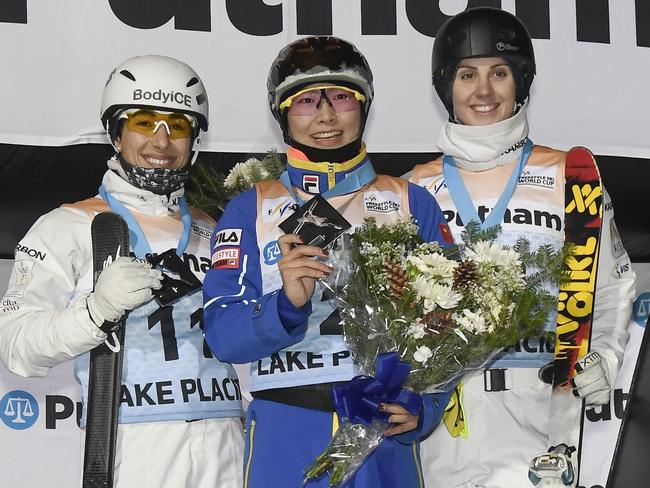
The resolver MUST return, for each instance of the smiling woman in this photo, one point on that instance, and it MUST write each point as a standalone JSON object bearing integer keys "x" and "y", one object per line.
{"x": 327, "y": 117}
{"x": 58, "y": 307}
{"x": 483, "y": 65}
{"x": 267, "y": 306}
{"x": 152, "y": 139}
{"x": 483, "y": 91}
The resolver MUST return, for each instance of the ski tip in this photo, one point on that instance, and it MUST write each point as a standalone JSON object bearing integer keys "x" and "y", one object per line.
{"x": 108, "y": 218}
{"x": 578, "y": 155}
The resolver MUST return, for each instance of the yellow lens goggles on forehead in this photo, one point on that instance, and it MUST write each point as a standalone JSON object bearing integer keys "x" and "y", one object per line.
{"x": 330, "y": 92}
{"x": 147, "y": 122}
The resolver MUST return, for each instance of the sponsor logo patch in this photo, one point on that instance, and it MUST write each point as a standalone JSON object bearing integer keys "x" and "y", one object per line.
{"x": 515, "y": 146}
{"x": 310, "y": 183}
{"x": 227, "y": 237}
{"x": 272, "y": 253}
{"x": 505, "y": 46}
{"x": 32, "y": 253}
{"x": 539, "y": 217}
{"x": 622, "y": 268}
{"x": 382, "y": 201}
{"x": 226, "y": 258}
{"x": 617, "y": 245}
{"x": 21, "y": 275}
{"x": 23, "y": 272}
{"x": 164, "y": 97}
{"x": 641, "y": 308}
{"x": 18, "y": 410}
{"x": 539, "y": 177}
{"x": 202, "y": 232}
{"x": 446, "y": 234}
{"x": 433, "y": 184}
{"x": 276, "y": 209}
{"x": 8, "y": 305}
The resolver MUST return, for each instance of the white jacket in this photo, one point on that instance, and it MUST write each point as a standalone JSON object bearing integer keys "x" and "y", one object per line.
{"x": 44, "y": 319}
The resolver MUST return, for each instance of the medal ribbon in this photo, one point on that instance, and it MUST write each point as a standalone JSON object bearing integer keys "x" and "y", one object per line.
{"x": 462, "y": 199}
{"x": 138, "y": 240}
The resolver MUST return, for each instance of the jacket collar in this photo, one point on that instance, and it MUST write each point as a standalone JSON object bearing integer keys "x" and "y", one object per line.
{"x": 318, "y": 177}
{"x": 139, "y": 200}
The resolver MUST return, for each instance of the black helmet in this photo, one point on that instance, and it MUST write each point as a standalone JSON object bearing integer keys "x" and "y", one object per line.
{"x": 312, "y": 60}
{"x": 482, "y": 32}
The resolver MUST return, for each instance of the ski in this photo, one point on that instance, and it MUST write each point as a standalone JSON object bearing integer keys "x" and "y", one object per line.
{"x": 110, "y": 239}
{"x": 582, "y": 224}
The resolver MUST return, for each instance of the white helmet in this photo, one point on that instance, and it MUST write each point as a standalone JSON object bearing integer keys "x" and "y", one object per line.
{"x": 155, "y": 82}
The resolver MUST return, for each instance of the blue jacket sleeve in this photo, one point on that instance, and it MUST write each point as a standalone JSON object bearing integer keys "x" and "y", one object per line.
{"x": 428, "y": 215}
{"x": 242, "y": 324}
{"x": 433, "y": 407}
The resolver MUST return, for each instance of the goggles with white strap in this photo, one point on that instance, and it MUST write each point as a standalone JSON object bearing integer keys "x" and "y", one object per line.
{"x": 147, "y": 122}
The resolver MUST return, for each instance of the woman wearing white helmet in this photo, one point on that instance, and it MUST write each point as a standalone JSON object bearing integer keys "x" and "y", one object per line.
{"x": 138, "y": 94}
{"x": 264, "y": 305}
{"x": 180, "y": 407}
{"x": 490, "y": 172}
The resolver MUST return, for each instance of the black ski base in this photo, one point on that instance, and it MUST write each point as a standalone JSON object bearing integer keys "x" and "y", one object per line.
{"x": 110, "y": 239}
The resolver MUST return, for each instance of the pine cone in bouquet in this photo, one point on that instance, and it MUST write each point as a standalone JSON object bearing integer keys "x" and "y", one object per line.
{"x": 439, "y": 321}
{"x": 465, "y": 275}
{"x": 396, "y": 276}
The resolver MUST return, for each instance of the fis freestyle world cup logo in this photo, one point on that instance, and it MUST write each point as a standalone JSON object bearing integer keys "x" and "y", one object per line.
{"x": 18, "y": 410}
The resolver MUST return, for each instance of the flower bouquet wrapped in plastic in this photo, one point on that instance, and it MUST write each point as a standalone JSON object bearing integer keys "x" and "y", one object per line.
{"x": 418, "y": 316}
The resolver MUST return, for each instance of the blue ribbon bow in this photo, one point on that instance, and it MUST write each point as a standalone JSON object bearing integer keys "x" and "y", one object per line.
{"x": 359, "y": 399}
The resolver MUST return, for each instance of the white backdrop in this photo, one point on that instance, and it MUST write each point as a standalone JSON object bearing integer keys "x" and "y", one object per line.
{"x": 46, "y": 445}
{"x": 56, "y": 58}
{"x": 55, "y": 65}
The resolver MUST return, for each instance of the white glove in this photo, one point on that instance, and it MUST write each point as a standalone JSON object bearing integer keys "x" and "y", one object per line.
{"x": 123, "y": 285}
{"x": 553, "y": 469}
{"x": 591, "y": 381}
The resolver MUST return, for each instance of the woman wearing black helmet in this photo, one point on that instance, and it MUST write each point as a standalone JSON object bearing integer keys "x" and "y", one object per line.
{"x": 265, "y": 305}
{"x": 483, "y": 67}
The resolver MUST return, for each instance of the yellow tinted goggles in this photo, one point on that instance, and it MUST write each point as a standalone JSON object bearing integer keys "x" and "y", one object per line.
{"x": 147, "y": 122}
{"x": 307, "y": 101}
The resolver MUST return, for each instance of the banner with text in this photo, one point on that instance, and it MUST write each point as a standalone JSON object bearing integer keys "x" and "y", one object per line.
{"x": 593, "y": 62}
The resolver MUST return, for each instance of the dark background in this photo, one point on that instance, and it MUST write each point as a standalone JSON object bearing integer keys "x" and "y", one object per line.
{"x": 37, "y": 179}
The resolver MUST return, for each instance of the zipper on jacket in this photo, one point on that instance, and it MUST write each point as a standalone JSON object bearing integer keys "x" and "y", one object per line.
{"x": 251, "y": 437}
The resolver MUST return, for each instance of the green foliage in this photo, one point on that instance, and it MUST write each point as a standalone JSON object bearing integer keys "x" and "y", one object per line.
{"x": 208, "y": 189}
{"x": 472, "y": 233}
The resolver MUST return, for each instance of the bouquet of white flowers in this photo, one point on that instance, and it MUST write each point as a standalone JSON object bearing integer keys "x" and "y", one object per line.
{"x": 441, "y": 311}
{"x": 244, "y": 175}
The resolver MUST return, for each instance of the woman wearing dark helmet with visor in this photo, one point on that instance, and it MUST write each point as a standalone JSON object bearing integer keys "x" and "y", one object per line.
{"x": 269, "y": 309}
{"x": 490, "y": 172}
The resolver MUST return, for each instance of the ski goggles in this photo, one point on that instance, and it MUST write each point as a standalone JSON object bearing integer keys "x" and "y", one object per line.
{"x": 308, "y": 101}
{"x": 147, "y": 122}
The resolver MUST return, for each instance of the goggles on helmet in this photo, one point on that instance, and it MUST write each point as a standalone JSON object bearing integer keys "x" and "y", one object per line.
{"x": 147, "y": 122}
{"x": 308, "y": 101}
